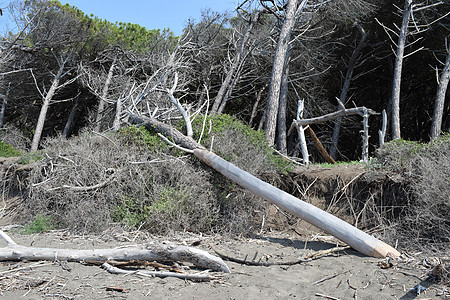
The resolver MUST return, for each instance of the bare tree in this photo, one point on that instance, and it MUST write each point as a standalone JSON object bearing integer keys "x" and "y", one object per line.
{"x": 345, "y": 88}
{"x": 102, "y": 102}
{"x": 293, "y": 8}
{"x": 47, "y": 97}
{"x": 226, "y": 87}
{"x": 409, "y": 20}
{"x": 399, "y": 55}
{"x": 443, "y": 80}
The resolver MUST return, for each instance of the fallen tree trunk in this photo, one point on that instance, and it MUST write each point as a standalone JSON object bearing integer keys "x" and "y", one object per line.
{"x": 150, "y": 252}
{"x": 347, "y": 233}
{"x": 319, "y": 145}
{"x": 342, "y": 230}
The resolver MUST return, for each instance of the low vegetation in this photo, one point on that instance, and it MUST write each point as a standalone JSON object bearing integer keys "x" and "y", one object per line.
{"x": 133, "y": 178}
{"x": 425, "y": 171}
{"x": 6, "y": 150}
{"x": 40, "y": 224}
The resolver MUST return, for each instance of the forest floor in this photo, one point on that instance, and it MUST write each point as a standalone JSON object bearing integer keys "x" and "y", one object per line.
{"x": 340, "y": 275}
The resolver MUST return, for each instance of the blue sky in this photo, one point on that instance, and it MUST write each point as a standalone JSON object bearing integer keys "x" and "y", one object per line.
{"x": 152, "y": 14}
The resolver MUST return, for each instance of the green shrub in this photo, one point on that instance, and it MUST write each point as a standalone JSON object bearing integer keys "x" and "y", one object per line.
{"x": 139, "y": 135}
{"x": 131, "y": 211}
{"x": 30, "y": 157}
{"x": 6, "y": 150}
{"x": 40, "y": 224}
{"x": 239, "y": 143}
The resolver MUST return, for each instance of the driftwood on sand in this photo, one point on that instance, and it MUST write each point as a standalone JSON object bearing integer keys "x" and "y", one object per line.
{"x": 150, "y": 252}
{"x": 342, "y": 230}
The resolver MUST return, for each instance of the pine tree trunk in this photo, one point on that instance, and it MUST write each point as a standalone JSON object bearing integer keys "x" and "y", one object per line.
{"x": 436, "y": 123}
{"x": 102, "y": 103}
{"x": 234, "y": 66}
{"x": 43, "y": 113}
{"x": 3, "y": 109}
{"x": 345, "y": 88}
{"x": 69, "y": 124}
{"x": 395, "y": 98}
{"x": 278, "y": 70}
{"x": 281, "y": 120}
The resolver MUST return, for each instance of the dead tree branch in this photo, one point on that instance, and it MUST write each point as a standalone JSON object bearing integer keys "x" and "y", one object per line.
{"x": 149, "y": 252}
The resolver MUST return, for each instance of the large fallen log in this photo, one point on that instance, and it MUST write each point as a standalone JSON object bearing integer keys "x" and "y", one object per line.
{"x": 149, "y": 252}
{"x": 342, "y": 230}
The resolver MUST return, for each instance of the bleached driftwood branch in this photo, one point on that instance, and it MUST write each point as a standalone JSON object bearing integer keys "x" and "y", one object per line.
{"x": 301, "y": 132}
{"x": 333, "y": 115}
{"x": 149, "y": 252}
{"x": 382, "y": 132}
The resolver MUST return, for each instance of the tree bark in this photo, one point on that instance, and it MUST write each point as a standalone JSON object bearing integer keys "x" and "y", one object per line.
{"x": 102, "y": 102}
{"x": 396, "y": 82}
{"x": 345, "y": 88}
{"x": 319, "y": 145}
{"x": 278, "y": 69}
{"x": 282, "y": 110}
{"x": 43, "y": 113}
{"x": 150, "y": 252}
{"x": 436, "y": 123}
{"x": 3, "y": 109}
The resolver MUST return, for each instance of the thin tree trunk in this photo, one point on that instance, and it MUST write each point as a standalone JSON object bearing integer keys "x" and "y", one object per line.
{"x": 3, "y": 109}
{"x": 43, "y": 113}
{"x": 282, "y": 110}
{"x": 278, "y": 69}
{"x": 234, "y": 65}
{"x": 102, "y": 102}
{"x": 365, "y": 137}
{"x": 382, "y": 132}
{"x": 319, "y": 145}
{"x": 230, "y": 88}
{"x": 301, "y": 133}
{"x": 436, "y": 123}
{"x": 395, "y": 98}
{"x": 255, "y": 105}
{"x": 69, "y": 124}
{"x": 261, "y": 122}
{"x": 345, "y": 88}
